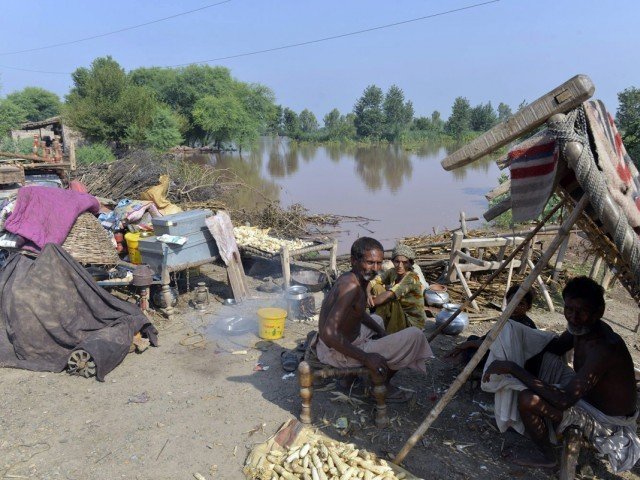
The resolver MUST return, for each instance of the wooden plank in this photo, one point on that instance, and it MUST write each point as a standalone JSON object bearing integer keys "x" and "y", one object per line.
{"x": 595, "y": 268}
{"x": 491, "y": 242}
{"x": 456, "y": 242}
{"x": 559, "y": 100}
{"x": 473, "y": 260}
{"x": 285, "y": 259}
{"x": 501, "y": 189}
{"x": 466, "y": 289}
{"x": 497, "y": 210}
{"x": 570, "y": 453}
{"x": 468, "y": 267}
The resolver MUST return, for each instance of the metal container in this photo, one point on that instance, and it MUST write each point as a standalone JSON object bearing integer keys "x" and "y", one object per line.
{"x": 300, "y": 303}
{"x": 181, "y": 223}
{"x": 436, "y": 295}
{"x": 458, "y": 324}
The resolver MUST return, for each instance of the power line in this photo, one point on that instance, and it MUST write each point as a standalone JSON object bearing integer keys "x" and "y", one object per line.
{"x": 71, "y": 42}
{"x": 294, "y": 45}
{"x": 334, "y": 37}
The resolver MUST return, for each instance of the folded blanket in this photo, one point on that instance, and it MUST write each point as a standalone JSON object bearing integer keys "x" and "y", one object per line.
{"x": 45, "y": 215}
{"x": 614, "y": 437}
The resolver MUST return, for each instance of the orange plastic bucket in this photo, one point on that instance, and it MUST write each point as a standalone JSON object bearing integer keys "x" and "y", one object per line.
{"x": 271, "y": 323}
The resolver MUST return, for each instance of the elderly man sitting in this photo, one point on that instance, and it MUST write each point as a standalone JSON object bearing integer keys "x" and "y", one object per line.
{"x": 350, "y": 337}
{"x": 397, "y": 294}
{"x": 599, "y": 397}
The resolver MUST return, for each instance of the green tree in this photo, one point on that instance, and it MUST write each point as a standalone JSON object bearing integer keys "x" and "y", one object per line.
{"x": 369, "y": 117}
{"x": 11, "y": 116}
{"x": 37, "y": 103}
{"x": 397, "y": 113}
{"x": 331, "y": 119}
{"x": 291, "y": 123}
{"x": 422, "y": 123}
{"x": 460, "y": 118}
{"x": 436, "y": 121}
{"x": 105, "y": 106}
{"x": 225, "y": 119}
{"x": 628, "y": 121}
{"x": 164, "y": 131}
{"x": 308, "y": 121}
{"x": 504, "y": 112}
{"x": 482, "y": 117}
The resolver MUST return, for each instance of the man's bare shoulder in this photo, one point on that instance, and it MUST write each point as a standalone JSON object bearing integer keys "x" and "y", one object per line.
{"x": 346, "y": 281}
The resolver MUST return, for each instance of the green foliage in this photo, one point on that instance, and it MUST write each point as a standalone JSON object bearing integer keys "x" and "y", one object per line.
{"x": 183, "y": 88}
{"x": 504, "y": 112}
{"x": 96, "y": 153}
{"x": 23, "y": 145}
{"x": 460, "y": 119}
{"x": 482, "y": 117}
{"x": 397, "y": 113}
{"x": 11, "y": 116}
{"x": 628, "y": 120}
{"x": 164, "y": 131}
{"x": 225, "y": 120}
{"x": 106, "y": 106}
{"x": 37, "y": 103}
{"x": 308, "y": 121}
{"x": 369, "y": 117}
{"x": 291, "y": 123}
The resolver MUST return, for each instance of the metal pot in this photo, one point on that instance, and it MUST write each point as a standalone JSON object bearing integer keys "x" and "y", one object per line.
{"x": 158, "y": 298}
{"x": 436, "y": 295}
{"x": 457, "y": 325}
{"x": 300, "y": 303}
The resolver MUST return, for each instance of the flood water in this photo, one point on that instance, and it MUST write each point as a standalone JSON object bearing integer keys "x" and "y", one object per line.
{"x": 403, "y": 192}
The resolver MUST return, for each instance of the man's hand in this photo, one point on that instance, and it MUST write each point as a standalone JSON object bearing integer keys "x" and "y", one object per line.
{"x": 461, "y": 348}
{"x": 370, "y": 302}
{"x": 498, "y": 367}
{"x": 376, "y": 363}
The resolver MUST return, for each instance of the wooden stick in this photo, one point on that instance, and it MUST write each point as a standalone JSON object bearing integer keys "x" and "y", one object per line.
{"x": 543, "y": 288}
{"x": 465, "y": 286}
{"x": 557, "y": 268}
{"x": 21, "y": 156}
{"x": 504, "y": 187}
{"x": 493, "y": 334}
{"x": 497, "y": 272}
{"x": 509, "y": 276}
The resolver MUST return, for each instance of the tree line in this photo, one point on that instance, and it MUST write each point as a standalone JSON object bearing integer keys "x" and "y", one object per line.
{"x": 198, "y": 105}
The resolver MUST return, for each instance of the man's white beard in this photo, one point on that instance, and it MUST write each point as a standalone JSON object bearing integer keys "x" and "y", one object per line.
{"x": 368, "y": 276}
{"x": 579, "y": 331}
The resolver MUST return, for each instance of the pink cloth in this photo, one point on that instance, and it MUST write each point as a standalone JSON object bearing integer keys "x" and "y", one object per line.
{"x": 45, "y": 215}
{"x": 407, "y": 348}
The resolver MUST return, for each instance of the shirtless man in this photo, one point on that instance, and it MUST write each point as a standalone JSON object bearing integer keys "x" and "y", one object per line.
{"x": 350, "y": 337}
{"x": 602, "y": 365}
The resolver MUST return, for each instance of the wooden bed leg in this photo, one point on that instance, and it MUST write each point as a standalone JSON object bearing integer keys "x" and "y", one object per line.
{"x": 305, "y": 378}
{"x": 570, "y": 453}
{"x": 380, "y": 393}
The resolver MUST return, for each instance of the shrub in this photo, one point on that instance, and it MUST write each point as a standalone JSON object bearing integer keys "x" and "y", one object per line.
{"x": 96, "y": 153}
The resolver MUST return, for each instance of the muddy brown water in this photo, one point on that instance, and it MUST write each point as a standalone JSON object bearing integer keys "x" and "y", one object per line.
{"x": 403, "y": 192}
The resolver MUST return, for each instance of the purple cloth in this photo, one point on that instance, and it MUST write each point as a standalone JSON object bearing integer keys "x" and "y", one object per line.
{"x": 45, "y": 215}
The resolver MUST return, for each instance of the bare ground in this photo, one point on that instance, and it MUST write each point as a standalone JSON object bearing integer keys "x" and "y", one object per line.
{"x": 192, "y": 405}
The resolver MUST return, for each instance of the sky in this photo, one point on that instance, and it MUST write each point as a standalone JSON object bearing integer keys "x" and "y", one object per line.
{"x": 506, "y": 51}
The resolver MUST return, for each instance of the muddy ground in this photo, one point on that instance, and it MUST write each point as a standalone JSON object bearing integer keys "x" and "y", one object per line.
{"x": 195, "y": 404}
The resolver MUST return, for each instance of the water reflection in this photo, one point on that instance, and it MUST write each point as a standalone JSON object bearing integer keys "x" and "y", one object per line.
{"x": 383, "y": 166}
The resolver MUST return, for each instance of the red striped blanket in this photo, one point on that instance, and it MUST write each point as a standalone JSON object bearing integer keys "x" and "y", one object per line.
{"x": 533, "y": 165}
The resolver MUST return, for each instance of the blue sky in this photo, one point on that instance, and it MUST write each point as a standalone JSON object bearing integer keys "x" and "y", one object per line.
{"x": 506, "y": 51}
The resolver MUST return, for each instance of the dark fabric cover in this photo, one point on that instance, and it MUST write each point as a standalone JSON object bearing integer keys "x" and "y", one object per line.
{"x": 50, "y": 306}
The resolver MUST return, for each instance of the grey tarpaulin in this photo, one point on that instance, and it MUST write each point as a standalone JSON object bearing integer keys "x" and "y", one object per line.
{"x": 50, "y": 306}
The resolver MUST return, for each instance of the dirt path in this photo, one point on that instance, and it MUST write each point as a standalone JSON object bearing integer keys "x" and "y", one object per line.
{"x": 191, "y": 405}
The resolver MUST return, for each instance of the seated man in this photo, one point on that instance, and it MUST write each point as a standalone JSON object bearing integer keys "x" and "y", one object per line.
{"x": 600, "y": 398}
{"x": 350, "y": 337}
{"x": 397, "y": 293}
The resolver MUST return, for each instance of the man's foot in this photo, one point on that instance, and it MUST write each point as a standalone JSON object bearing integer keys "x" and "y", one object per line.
{"x": 530, "y": 458}
{"x": 396, "y": 395}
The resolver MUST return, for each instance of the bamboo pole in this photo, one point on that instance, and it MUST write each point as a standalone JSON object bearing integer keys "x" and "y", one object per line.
{"x": 506, "y": 262}
{"x": 21, "y": 156}
{"x": 493, "y": 334}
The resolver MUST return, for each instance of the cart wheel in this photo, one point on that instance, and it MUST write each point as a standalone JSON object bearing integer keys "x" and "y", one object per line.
{"x": 81, "y": 363}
